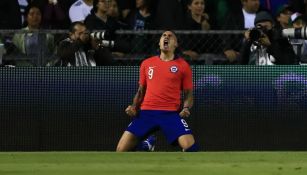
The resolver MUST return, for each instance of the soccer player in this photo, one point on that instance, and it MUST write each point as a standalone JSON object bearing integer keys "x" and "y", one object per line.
{"x": 162, "y": 79}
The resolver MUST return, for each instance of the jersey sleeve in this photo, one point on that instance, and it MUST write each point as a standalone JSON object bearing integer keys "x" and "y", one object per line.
{"x": 142, "y": 80}
{"x": 187, "y": 82}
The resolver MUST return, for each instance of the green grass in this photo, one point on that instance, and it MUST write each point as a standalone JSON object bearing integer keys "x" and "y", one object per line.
{"x": 156, "y": 163}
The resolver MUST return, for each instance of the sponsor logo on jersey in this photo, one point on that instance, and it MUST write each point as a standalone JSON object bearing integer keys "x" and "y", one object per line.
{"x": 174, "y": 69}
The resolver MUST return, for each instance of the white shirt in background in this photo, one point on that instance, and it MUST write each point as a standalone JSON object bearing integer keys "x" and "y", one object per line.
{"x": 249, "y": 19}
{"x": 79, "y": 11}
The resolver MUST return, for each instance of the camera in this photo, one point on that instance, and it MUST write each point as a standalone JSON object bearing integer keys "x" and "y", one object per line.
{"x": 256, "y": 33}
{"x": 103, "y": 35}
{"x": 107, "y": 39}
{"x": 296, "y": 33}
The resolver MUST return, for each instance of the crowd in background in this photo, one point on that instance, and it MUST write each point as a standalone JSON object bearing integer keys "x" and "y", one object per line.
{"x": 146, "y": 15}
{"x": 157, "y": 14}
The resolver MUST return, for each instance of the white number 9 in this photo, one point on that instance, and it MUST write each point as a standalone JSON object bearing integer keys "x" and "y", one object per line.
{"x": 185, "y": 124}
{"x": 150, "y": 73}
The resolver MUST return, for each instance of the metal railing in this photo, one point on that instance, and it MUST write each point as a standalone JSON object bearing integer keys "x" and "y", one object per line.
{"x": 209, "y": 46}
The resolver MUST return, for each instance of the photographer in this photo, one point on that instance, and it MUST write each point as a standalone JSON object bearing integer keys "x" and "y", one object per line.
{"x": 81, "y": 48}
{"x": 264, "y": 45}
{"x": 298, "y": 22}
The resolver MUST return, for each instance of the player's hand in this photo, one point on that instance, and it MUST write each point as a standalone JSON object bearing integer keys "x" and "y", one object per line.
{"x": 185, "y": 112}
{"x": 131, "y": 111}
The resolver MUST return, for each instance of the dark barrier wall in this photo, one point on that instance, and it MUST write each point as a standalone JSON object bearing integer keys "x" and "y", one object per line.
{"x": 236, "y": 108}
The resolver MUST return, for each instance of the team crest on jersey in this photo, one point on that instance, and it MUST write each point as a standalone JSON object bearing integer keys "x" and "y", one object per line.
{"x": 174, "y": 69}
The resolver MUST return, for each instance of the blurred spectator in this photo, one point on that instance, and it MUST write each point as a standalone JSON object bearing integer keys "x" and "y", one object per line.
{"x": 54, "y": 16}
{"x": 78, "y": 49}
{"x": 113, "y": 9}
{"x": 141, "y": 18}
{"x": 243, "y": 18}
{"x": 33, "y": 44}
{"x": 23, "y": 4}
{"x": 217, "y": 10}
{"x": 299, "y": 45}
{"x": 239, "y": 19}
{"x": 114, "y": 12}
{"x": 80, "y": 10}
{"x": 283, "y": 15}
{"x": 265, "y": 45}
{"x": 64, "y": 4}
{"x": 196, "y": 19}
{"x": 10, "y": 17}
{"x": 125, "y": 7}
{"x": 99, "y": 19}
{"x": 55, "y": 13}
{"x": 298, "y": 6}
{"x": 273, "y": 5}
{"x": 169, "y": 15}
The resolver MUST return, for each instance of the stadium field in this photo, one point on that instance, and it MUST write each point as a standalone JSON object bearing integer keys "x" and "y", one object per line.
{"x": 158, "y": 163}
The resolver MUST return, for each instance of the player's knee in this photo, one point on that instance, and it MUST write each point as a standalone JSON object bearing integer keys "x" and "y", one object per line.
{"x": 124, "y": 146}
{"x": 119, "y": 148}
{"x": 193, "y": 148}
{"x": 186, "y": 141}
{"x": 186, "y": 145}
{"x": 127, "y": 142}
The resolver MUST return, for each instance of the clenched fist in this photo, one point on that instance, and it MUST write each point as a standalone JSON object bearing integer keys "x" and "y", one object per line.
{"x": 185, "y": 113}
{"x": 131, "y": 111}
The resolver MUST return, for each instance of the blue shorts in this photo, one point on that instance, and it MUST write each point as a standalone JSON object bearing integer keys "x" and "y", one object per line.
{"x": 149, "y": 121}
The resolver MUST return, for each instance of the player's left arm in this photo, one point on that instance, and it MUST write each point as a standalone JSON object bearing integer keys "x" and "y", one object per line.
{"x": 187, "y": 85}
{"x": 187, "y": 103}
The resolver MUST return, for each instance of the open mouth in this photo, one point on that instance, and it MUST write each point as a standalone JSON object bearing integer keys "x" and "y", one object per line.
{"x": 165, "y": 43}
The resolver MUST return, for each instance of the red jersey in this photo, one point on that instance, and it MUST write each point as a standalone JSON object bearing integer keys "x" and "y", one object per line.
{"x": 164, "y": 81}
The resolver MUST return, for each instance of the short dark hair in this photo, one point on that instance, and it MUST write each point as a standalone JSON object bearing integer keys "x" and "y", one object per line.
{"x": 27, "y": 10}
{"x": 95, "y": 9}
{"x": 30, "y": 6}
{"x": 165, "y": 30}
{"x": 72, "y": 26}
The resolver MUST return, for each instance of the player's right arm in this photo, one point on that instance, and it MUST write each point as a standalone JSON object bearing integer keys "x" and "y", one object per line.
{"x": 131, "y": 110}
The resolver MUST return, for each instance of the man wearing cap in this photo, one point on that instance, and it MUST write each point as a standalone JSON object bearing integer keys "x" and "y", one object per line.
{"x": 267, "y": 48}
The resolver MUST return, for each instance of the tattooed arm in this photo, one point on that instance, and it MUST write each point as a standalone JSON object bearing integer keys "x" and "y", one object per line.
{"x": 131, "y": 110}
